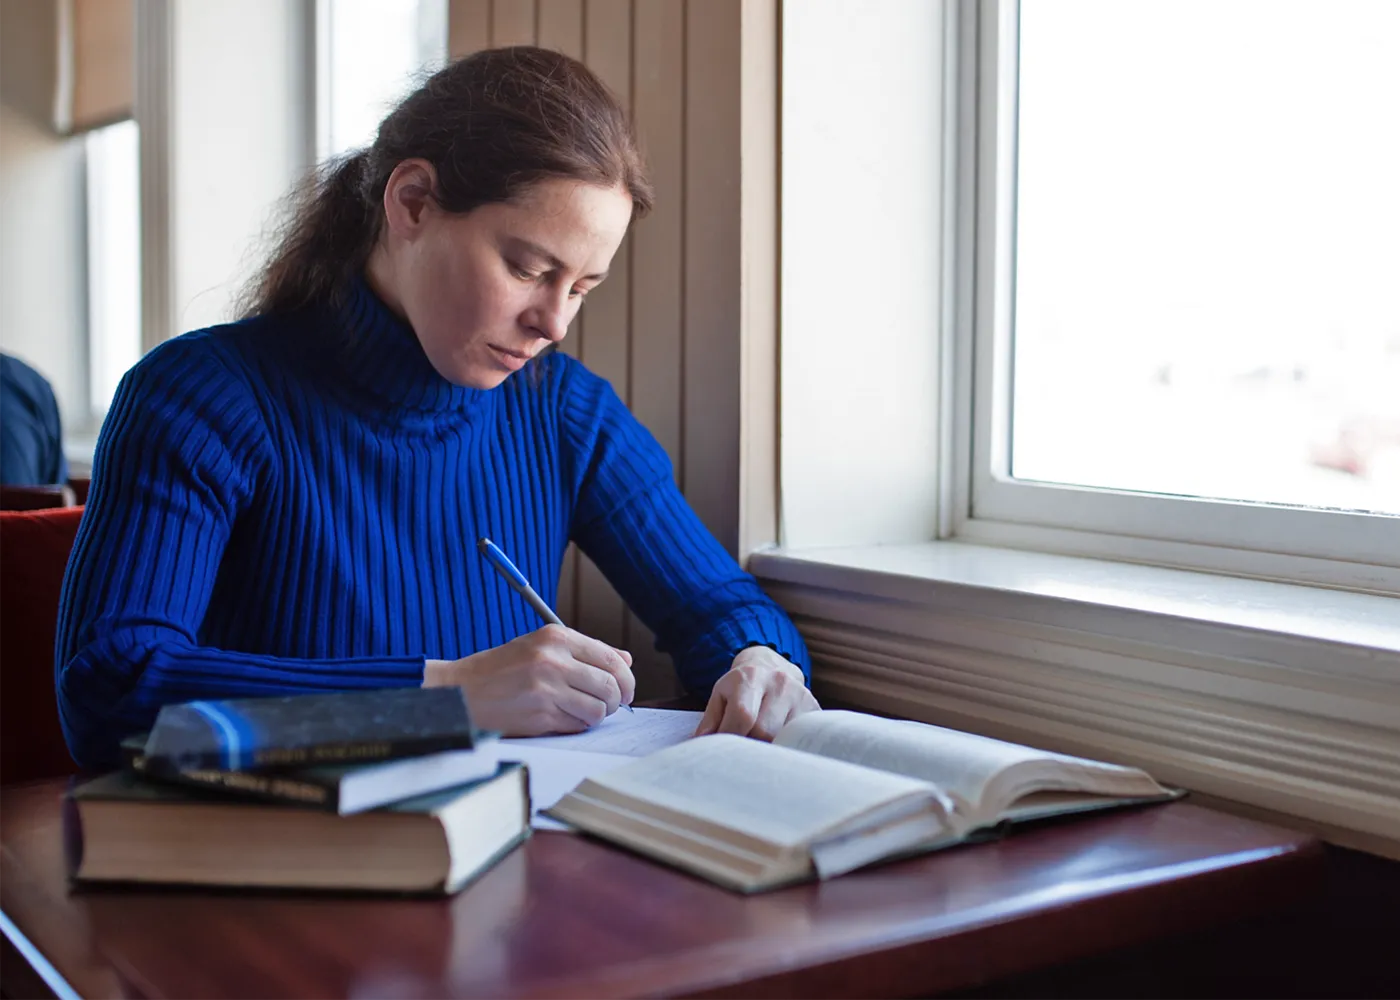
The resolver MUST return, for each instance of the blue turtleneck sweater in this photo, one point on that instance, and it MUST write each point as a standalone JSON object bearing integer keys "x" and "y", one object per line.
{"x": 291, "y": 504}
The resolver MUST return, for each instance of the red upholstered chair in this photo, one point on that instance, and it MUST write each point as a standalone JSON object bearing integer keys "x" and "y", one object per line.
{"x": 37, "y": 497}
{"x": 34, "y": 547}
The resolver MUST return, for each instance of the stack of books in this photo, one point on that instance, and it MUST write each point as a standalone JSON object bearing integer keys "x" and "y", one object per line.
{"x": 367, "y": 791}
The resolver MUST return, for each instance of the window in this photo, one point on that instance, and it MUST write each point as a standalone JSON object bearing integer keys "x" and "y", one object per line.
{"x": 370, "y": 53}
{"x": 1185, "y": 325}
{"x": 113, "y": 261}
{"x": 927, "y": 529}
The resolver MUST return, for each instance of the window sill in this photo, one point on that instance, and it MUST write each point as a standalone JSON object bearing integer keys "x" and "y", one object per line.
{"x": 1280, "y": 697}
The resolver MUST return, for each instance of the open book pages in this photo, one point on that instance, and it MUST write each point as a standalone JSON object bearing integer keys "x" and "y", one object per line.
{"x": 836, "y": 790}
{"x": 751, "y": 815}
{"x": 988, "y": 780}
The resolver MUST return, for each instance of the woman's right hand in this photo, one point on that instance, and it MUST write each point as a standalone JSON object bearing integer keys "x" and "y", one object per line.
{"x": 552, "y": 680}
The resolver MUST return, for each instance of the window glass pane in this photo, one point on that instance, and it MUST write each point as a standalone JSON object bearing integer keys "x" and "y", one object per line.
{"x": 376, "y": 51}
{"x": 1206, "y": 249}
{"x": 113, "y": 258}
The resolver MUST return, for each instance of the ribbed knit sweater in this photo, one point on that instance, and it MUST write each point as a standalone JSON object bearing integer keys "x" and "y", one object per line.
{"x": 292, "y": 504}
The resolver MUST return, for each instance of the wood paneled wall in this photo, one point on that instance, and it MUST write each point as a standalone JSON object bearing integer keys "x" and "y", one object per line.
{"x": 666, "y": 327}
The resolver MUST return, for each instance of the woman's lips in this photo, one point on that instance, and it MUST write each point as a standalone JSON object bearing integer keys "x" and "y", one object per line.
{"x": 512, "y": 360}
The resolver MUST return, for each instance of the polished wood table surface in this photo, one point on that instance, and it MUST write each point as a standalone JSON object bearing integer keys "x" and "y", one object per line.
{"x": 567, "y": 916}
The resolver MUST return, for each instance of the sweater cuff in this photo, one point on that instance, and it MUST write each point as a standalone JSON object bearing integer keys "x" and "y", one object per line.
{"x": 795, "y": 661}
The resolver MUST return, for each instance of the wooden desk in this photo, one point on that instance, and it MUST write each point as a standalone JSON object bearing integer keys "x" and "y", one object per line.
{"x": 564, "y": 916}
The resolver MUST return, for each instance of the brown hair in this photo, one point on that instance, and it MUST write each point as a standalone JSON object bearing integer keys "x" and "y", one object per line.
{"x": 491, "y": 124}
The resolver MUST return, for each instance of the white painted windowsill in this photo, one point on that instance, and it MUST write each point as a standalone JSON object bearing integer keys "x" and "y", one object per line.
{"x": 1281, "y": 698}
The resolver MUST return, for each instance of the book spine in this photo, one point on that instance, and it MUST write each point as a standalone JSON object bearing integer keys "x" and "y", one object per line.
{"x": 270, "y": 787}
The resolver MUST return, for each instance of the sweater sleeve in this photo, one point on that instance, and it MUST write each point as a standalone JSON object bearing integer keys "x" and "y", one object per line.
{"x": 178, "y": 460}
{"x": 632, "y": 521}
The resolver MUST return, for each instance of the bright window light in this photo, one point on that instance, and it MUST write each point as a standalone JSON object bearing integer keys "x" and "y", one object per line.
{"x": 113, "y": 259}
{"x": 1206, "y": 252}
{"x": 372, "y": 53}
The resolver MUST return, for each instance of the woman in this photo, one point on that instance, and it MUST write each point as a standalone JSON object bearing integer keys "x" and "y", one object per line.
{"x": 290, "y": 503}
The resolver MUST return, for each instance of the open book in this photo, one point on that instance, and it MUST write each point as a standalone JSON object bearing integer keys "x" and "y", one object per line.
{"x": 834, "y": 791}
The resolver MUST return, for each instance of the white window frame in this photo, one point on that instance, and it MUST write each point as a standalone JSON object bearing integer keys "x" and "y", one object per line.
{"x": 1343, "y": 549}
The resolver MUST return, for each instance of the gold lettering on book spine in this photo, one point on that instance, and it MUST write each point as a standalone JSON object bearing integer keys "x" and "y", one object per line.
{"x": 377, "y": 750}
{"x": 242, "y": 781}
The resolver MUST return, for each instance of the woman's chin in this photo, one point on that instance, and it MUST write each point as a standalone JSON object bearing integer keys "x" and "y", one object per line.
{"x": 473, "y": 376}
{"x": 478, "y": 379}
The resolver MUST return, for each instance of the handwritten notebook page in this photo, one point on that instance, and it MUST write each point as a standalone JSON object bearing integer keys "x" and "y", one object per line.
{"x": 633, "y": 734}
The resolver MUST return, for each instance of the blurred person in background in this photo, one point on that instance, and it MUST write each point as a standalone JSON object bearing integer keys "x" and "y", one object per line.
{"x": 31, "y": 433}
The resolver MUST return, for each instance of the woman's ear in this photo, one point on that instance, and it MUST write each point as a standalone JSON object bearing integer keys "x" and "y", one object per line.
{"x": 409, "y": 197}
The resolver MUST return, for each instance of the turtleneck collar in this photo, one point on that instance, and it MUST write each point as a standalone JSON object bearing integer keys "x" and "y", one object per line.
{"x": 381, "y": 354}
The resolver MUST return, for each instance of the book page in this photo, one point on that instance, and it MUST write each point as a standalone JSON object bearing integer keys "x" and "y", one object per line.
{"x": 633, "y": 734}
{"x": 962, "y": 764}
{"x": 984, "y": 776}
{"x": 775, "y": 796}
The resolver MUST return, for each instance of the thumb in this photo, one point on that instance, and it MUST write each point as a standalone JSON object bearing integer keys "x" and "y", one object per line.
{"x": 714, "y": 713}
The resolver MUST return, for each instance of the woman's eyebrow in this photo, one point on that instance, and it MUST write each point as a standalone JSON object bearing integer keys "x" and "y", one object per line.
{"x": 554, "y": 262}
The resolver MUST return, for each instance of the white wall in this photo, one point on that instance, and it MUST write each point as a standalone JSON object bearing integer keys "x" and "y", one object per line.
{"x": 226, "y": 113}
{"x": 861, "y": 191}
{"x": 43, "y": 288}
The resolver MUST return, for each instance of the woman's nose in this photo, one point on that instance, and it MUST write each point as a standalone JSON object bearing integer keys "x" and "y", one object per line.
{"x": 550, "y": 316}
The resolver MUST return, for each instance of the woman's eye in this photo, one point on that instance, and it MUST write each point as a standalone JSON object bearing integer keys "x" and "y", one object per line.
{"x": 523, "y": 273}
{"x": 578, "y": 293}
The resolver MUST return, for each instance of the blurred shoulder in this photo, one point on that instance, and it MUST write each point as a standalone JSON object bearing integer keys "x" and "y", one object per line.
{"x": 22, "y": 383}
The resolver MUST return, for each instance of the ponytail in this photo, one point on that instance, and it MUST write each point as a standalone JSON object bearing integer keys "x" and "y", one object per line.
{"x": 331, "y": 229}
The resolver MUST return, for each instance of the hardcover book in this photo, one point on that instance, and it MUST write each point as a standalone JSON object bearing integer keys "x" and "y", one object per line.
{"x": 339, "y": 788}
{"x": 119, "y": 828}
{"x": 249, "y": 734}
{"x": 833, "y": 792}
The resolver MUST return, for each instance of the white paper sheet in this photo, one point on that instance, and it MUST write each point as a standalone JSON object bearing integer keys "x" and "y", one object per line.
{"x": 633, "y": 734}
{"x": 556, "y": 772}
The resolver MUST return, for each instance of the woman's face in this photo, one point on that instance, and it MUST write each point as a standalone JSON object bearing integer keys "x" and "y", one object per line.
{"x": 487, "y": 290}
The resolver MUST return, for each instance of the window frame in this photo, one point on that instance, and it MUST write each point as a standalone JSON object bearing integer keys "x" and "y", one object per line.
{"x": 1330, "y": 548}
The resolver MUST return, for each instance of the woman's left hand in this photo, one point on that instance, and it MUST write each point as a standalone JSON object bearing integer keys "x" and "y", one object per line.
{"x": 761, "y": 692}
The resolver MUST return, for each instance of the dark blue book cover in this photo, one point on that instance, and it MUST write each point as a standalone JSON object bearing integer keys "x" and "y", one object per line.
{"x": 250, "y": 734}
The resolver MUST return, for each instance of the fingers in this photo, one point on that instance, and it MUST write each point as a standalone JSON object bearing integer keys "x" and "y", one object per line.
{"x": 741, "y": 710}
{"x": 755, "y": 700}
{"x": 714, "y": 711}
{"x": 594, "y": 683}
{"x": 590, "y": 679}
{"x": 579, "y": 711}
{"x": 775, "y": 710}
{"x": 595, "y": 653}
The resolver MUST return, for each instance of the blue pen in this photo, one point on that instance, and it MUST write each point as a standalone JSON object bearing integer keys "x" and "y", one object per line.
{"x": 519, "y": 584}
